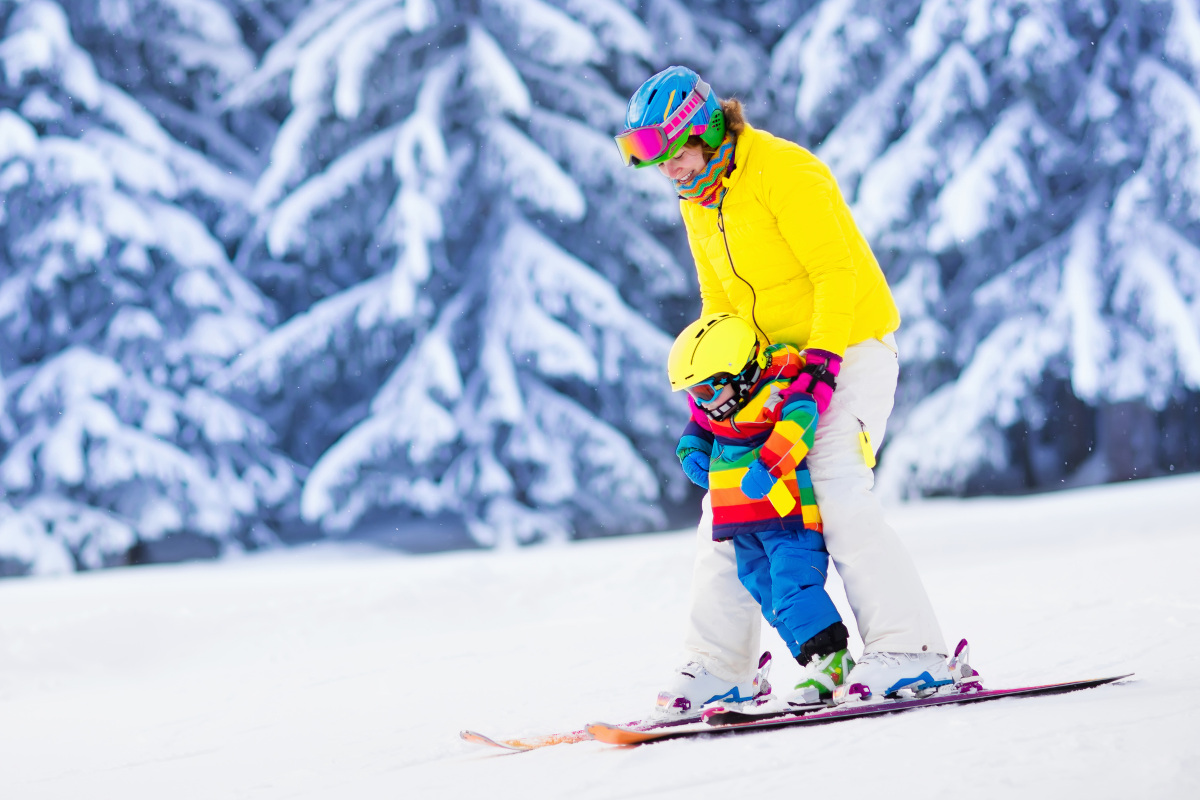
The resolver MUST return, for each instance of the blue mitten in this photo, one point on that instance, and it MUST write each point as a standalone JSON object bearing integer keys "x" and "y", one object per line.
{"x": 757, "y": 481}
{"x": 693, "y": 453}
{"x": 695, "y": 466}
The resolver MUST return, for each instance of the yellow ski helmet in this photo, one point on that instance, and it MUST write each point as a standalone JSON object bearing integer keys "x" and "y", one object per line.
{"x": 712, "y": 345}
{"x": 716, "y": 345}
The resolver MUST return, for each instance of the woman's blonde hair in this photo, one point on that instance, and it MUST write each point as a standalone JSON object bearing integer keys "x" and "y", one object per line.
{"x": 735, "y": 123}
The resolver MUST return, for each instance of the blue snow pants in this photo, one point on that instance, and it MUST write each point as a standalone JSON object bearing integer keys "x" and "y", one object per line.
{"x": 785, "y": 572}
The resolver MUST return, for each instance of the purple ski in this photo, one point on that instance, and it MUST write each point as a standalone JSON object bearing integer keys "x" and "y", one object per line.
{"x": 718, "y": 721}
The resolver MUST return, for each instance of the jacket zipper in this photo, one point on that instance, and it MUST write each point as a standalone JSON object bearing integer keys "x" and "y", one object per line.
{"x": 732, "y": 266}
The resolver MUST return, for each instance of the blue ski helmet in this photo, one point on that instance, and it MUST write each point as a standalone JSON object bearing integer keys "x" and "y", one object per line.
{"x": 664, "y": 112}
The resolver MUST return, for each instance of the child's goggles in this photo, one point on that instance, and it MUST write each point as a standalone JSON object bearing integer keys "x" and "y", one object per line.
{"x": 653, "y": 144}
{"x": 705, "y": 391}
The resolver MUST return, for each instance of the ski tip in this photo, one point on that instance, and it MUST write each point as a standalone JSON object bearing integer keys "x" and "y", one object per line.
{"x": 479, "y": 738}
{"x": 1098, "y": 681}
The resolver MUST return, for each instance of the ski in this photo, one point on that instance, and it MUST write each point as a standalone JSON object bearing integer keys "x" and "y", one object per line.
{"x": 719, "y": 721}
{"x": 522, "y": 744}
{"x": 525, "y": 743}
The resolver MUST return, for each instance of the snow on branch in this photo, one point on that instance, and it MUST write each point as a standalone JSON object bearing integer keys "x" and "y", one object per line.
{"x": 542, "y": 31}
{"x": 315, "y": 332}
{"x": 1183, "y": 36}
{"x": 959, "y": 428}
{"x": 419, "y": 161}
{"x": 939, "y": 139}
{"x": 289, "y": 156}
{"x": 588, "y": 154}
{"x": 588, "y": 464}
{"x": 495, "y": 80}
{"x": 134, "y": 168}
{"x": 38, "y": 42}
{"x": 18, "y": 139}
{"x": 429, "y": 370}
{"x": 1164, "y": 337}
{"x": 363, "y": 48}
{"x": 1004, "y": 179}
{"x": 524, "y": 171}
{"x": 1172, "y": 107}
{"x": 614, "y": 26}
{"x": 383, "y": 458}
{"x": 832, "y": 44}
{"x": 290, "y": 220}
{"x": 1083, "y": 295}
{"x": 507, "y": 522}
{"x": 1156, "y": 297}
{"x": 282, "y": 55}
{"x": 71, "y": 375}
{"x": 312, "y": 76}
{"x": 51, "y": 533}
{"x": 554, "y": 300}
{"x": 866, "y": 129}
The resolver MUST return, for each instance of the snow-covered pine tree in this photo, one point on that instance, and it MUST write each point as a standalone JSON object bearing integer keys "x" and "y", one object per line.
{"x": 720, "y": 39}
{"x": 470, "y": 275}
{"x": 116, "y": 303}
{"x": 176, "y": 57}
{"x": 1025, "y": 171}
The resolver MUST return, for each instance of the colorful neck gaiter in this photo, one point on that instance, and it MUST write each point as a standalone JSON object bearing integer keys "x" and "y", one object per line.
{"x": 706, "y": 187}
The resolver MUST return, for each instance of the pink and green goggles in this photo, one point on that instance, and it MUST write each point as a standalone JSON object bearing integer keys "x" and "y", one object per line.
{"x": 654, "y": 144}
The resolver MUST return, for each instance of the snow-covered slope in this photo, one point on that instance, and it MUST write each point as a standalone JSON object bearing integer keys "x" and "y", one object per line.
{"x": 347, "y": 673}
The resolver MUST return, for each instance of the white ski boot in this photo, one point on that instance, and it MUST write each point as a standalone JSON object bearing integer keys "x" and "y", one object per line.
{"x": 694, "y": 689}
{"x": 878, "y": 675}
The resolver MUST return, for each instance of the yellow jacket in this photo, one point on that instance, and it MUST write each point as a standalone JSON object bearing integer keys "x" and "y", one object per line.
{"x": 784, "y": 253}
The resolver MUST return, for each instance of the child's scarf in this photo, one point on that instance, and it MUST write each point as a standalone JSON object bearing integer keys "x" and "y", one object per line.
{"x": 706, "y": 187}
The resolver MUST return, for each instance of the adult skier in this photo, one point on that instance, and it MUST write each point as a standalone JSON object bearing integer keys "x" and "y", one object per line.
{"x": 774, "y": 243}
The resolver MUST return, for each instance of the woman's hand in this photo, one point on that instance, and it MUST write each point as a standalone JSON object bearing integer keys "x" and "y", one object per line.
{"x": 818, "y": 376}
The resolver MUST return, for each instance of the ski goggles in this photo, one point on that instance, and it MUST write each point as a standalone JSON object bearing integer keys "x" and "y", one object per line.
{"x": 705, "y": 391}
{"x": 653, "y": 144}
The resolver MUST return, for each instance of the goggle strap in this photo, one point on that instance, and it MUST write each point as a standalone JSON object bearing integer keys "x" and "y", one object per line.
{"x": 696, "y": 99}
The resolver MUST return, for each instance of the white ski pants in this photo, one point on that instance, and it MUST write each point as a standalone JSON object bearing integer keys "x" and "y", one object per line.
{"x": 885, "y": 592}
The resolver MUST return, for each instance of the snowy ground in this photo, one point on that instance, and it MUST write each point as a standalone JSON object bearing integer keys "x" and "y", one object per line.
{"x": 347, "y": 673}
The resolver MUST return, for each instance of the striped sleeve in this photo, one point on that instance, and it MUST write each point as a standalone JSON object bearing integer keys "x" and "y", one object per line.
{"x": 694, "y": 438}
{"x": 792, "y": 436}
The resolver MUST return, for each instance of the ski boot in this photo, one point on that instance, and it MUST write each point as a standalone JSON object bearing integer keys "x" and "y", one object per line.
{"x": 694, "y": 689}
{"x": 879, "y": 675}
{"x": 820, "y": 677}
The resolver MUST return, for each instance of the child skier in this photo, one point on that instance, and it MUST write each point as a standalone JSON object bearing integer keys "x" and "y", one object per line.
{"x": 746, "y": 444}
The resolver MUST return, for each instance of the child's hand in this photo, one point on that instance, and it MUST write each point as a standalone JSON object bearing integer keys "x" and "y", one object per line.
{"x": 758, "y": 481}
{"x": 695, "y": 466}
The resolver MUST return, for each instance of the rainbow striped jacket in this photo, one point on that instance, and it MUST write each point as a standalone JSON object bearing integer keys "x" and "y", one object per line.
{"x": 775, "y": 425}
